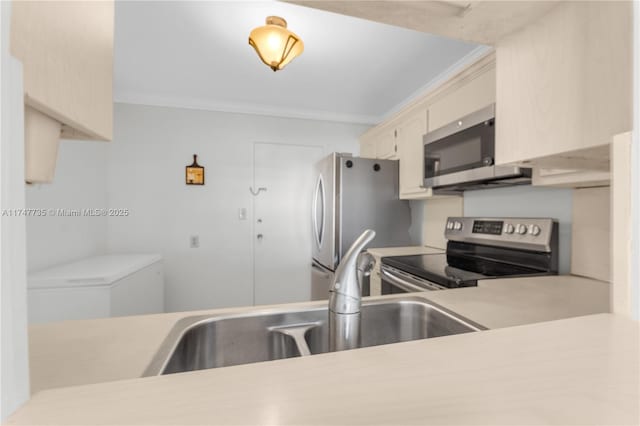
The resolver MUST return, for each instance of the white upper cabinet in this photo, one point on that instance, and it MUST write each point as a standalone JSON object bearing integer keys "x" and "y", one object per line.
{"x": 367, "y": 147}
{"x": 411, "y": 129}
{"x": 466, "y": 95}
{"x": 401, "y": 137}
{"x": 565, "y": 84}
{"x": 380, "y": 142}
{"x": 66, "y": 49}
{"x": 387, "y": 144}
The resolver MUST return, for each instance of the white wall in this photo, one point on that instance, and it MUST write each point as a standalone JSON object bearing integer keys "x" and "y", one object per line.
{"x": 151, "y": 147}
{"x": 14, "y": 370}
{"x": 527, "y": 201}
{"x": 80, "y": 183}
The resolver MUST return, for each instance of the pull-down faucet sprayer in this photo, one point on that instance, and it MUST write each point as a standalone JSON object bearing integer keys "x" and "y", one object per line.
{"x": 345, "y": 295}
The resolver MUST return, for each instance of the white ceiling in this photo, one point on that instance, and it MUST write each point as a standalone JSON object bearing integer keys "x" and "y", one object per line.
{"x": 196, "y": 54}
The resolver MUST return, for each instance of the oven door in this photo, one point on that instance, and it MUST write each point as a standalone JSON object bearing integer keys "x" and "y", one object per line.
{"x": 395, "y": 281}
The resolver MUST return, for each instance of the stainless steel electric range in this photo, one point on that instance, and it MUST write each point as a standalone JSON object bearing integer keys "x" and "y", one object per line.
{"x": 477, "y": 249}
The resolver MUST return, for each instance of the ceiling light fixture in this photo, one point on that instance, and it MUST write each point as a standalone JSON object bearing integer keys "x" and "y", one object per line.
{"x": 275, "y": 44}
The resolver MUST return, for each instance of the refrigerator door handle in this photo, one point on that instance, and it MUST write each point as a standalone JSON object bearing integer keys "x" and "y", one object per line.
{"x": 318, "y": 228}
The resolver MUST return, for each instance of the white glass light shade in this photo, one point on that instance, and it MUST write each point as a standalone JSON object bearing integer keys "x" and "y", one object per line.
{"x": 275, "y": 44}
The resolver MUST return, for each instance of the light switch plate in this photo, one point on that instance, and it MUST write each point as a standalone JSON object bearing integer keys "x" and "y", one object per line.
{"x": 194, "y": 241}
{"x": 242, "y": 213}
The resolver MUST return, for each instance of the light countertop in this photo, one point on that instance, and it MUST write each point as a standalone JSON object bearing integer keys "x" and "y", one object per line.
{"x": 516, "y": 301}
{"x": 74, "y": 353}
{"x": 575, "y": 371}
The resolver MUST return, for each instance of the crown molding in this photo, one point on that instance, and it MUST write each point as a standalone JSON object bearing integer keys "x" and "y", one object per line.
{"x": 458, "y": 66}
{"x": 243, "y": 108}
{"x": 303, "y": 114}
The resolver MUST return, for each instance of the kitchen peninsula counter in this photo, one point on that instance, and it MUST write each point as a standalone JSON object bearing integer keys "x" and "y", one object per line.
{"x": 575, "y": 371}
{"x": 500, "y": 369}
{"x": 74, "y": 353}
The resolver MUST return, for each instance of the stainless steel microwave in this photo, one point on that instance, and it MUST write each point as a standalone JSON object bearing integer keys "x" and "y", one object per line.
{"x": 461, "y": 156}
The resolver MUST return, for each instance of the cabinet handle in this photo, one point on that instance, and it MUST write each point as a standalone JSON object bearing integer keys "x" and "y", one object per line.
{"x": 395, "y": 147}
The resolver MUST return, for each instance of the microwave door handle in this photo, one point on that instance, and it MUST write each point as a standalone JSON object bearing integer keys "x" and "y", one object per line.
{"x": 405, "y": 285}
{"x": 432, "y": 162}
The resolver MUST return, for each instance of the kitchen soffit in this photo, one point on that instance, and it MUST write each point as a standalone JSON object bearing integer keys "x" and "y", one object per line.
{"x": 196, "y": 55}
{"x": 475, "y": 21}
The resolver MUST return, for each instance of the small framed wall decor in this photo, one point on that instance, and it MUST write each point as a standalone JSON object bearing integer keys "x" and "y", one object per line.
{"x": 194, "y": 173}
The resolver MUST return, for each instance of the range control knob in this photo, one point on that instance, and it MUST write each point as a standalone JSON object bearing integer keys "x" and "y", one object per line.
{"x": 457, "y": 226}
{"x": 521, "y": 229}
{"x": 509, "y": 229}
{"x": 450, "y": 225}
{"x": 534, "y": 230}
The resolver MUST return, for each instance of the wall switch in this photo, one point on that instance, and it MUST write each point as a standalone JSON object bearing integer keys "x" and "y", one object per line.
{"x": 242, "y": 213}
{"x": 194, "y": 241}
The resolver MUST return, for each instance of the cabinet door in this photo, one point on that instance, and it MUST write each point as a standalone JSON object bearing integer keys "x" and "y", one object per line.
{"x": 381, "y": 143}
{"x": 367, "y": 147}
{"x": 470, "y": 95}
{"x": 410, "y": 132}
{"x": 565, "y": 83}
{"x": 66, "y": 49}
{"x": 386, "y": 146}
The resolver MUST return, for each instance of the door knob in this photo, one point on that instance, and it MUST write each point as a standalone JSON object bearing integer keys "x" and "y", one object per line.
{"x": 259, "y": 236}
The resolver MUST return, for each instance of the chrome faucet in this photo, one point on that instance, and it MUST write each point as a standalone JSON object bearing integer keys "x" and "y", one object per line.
{"x": 345, "y": 295}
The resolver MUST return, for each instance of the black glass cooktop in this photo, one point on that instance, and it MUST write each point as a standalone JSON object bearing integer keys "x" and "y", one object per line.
{"x": 456, "y": 271}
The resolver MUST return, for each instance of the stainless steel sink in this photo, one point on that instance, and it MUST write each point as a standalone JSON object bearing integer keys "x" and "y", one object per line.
{"x": 201, "y": 342}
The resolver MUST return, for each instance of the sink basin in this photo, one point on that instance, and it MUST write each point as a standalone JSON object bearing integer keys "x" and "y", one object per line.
{"x": 201, "y": 342}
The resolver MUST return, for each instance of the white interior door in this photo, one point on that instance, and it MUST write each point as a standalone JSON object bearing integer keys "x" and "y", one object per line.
{"x": 282, "y": 221}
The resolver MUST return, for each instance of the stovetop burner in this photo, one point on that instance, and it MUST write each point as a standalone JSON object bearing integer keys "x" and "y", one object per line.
{"x": 452, "y": 272}
{"x": 484, "y": 248}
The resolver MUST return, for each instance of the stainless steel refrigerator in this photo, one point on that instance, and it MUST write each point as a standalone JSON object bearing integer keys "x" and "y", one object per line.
{"x": 353, "y": 194}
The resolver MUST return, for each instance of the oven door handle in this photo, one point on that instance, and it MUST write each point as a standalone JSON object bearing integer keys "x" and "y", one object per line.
{"x": 406, "y": 285}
